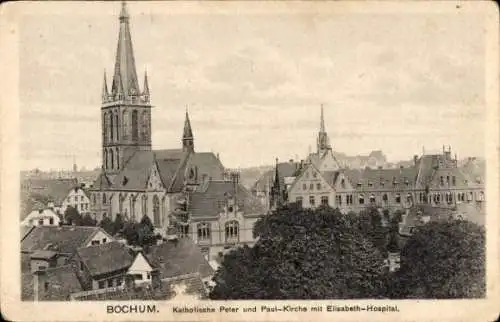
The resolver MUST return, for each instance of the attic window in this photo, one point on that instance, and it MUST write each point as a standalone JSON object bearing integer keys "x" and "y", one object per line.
{"x": 125, "y": 180}
{"x": 370, "y": 184}
{"x": 342, "y": 183}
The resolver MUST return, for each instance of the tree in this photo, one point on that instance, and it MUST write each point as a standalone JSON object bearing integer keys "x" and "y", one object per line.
{"x": 369, "y": 223}
{"x": 147, "y": 224}
{"x": 118, "y": 224}
{"x": 443, "y": 260}
{"x": 302, "y": 254}
{"x": 72, "y": 217}
{"x": 87, "y": 220}
{"x": 107, "y": 225}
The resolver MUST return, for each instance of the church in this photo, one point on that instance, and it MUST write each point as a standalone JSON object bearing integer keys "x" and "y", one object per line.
{"x": 135, "y": 180}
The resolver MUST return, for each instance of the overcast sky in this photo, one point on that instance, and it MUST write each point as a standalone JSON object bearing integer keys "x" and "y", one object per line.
{"x": 254, "y": 82}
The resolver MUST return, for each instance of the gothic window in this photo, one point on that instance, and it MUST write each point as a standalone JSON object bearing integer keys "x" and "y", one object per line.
{"x": 125, "y": 124}
{"x": 111, "y": 126}
{"x": 105, "y": 159}
{"x": 144, "y": 205}
{"x": 361, "y": 199}
{"x": 156, "y": 211}
{"x": 132, "y": 208}
{"x": 144, "y": 125}
{"x": 117, "y": 127}
{"x": 135, "y": 125}
{"x": 112, "y": 159}
{"x": 232, "y": 231}
{"x": 203, "y": 231}
{"x": 117, "y": 159}
{"x": 398, "y": 198}
{"x": 104, "y": 199}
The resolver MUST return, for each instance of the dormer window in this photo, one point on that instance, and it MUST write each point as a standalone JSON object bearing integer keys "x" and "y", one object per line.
{"x": 370, "y": 184}
{"x": 441, "y": 180}
{"x": 359, "y": 184}
{"x": 342, "y": 183}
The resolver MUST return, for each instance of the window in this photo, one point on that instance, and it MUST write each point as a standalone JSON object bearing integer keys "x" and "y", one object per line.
{"x": 51, "y": 221}
{"x": 315, "y": 174}
{"x": 148, "y": 276}
{"x": 470, "y": 196}
{"x": 40, "y": 222}
{"x": 384, "y": 198}
{"x": 232, "y": 231}
{"x": 81, "y": 198}
{"x": 203, "y": 231}
{"x": 81, "y": 266}
{"x": 324, "y": 200}
{"x": 104, "y": 240}
{"x": 119, "y": 281}
{"x": 372, "y": 199}
{"x": 311, "y": 186}
{"x": 338, "y": 200}
{"x": 312, "y": 201}
{"x": 448, "y": 180}
{"x": 349, "y": 200}
{"x": 449, "y": 198}
{"x": 342, "y": 183}
{"x": 183, "y": 231}
{"x": 370, "y": 184}
{"x": 103, "y": 199}
{"x": 95, "y": 243}
{"x": 299, "y": 201}
{"x": 110, "y": 282}
{"x": 441, "y": 180}
{"x": 454, "y": 181}
{"x": 304, "y": 187}
{"x": 409, "y": 198}
{"x": 361, "y": 199}
{"x": 137, "y": 277}
{"x": 46, "y": 286}
{"x": 480, "y": 196}
{"x": 318, "y": 186}
{"x": 101, "y": 284}
{"x": 398, "y": 198}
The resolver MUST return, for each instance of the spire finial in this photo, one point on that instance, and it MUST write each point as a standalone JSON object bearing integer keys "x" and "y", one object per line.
{"x": 322, "y": 121}
{"x": 124, "y": 12}
{"x": 146, "y": 83}
{"x": 105, "y": 92}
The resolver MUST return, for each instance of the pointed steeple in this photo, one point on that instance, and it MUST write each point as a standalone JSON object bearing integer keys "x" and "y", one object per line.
{"x": 105, "y": 92}
{"x": 276, "y": 177}
{"x": 145, "y": 91}
{"x": 187, "y": 135}
{"x": 276, "y": 198}
{"x": 125, "y": 77}
{"x": 322, "y": 121}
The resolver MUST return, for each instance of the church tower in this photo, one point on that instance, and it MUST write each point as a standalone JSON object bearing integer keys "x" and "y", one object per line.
{"x": 323, "y": 143}
{"x": 125, "y": 110}
{"x": 187, "y": 136}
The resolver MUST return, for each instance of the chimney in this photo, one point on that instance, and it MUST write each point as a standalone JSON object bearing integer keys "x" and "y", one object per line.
{"x": 39, "y": 285}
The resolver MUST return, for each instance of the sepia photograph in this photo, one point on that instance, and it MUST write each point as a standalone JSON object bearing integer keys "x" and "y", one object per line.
{"x": 167, "y": 153}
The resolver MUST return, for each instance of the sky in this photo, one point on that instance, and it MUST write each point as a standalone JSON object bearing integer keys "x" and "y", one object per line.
{"x": 253, "y": 82}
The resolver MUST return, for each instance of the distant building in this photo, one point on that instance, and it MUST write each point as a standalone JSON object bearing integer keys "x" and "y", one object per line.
{"x": 78, "y": 199}
{"x": 42, "y": 217}
{"x": 54, "y": 191}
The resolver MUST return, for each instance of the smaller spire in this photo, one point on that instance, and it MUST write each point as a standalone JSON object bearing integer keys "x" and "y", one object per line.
{"x": 322, "y": 121}
{"x": 146, "y": 84}
{"x": 105, "y": 92}
{"x": 187, "y": 135}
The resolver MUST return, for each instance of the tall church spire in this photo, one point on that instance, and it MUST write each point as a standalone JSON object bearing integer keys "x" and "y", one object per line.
{"x": 105, "y": 92}
{"x": 323, "y": 143}
{"x": 145, "y": 91}
{"x": 322, "y": 121}
{"x": 187, "y": 135}
{"x": 125, "y": 81}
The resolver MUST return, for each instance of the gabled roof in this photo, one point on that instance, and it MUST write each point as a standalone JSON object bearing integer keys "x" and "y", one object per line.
{"x": 204, "y": 202}
{"x": 62, "y": 281}
{"x": 105, "y": 258}
{"x": 207, "y": 164}
{"x": 179, "y": 258}
{"x": 63, "y": 239}
{"x": 55, "y": 189}
{"x": 101, "y": 182}
{"x": 135, "y": 173}
{"x": 285, "y": 169}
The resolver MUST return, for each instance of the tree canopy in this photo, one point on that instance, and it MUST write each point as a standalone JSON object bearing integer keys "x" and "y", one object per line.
{"x": 72, "y": 216}
{"x": 442, "y": 260}
{"x": 303, "y": 254}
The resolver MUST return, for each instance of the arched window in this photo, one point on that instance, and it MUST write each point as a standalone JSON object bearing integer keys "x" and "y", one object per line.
{"x": 156, "y": 211}
{"x": 132, "y": 208}
{"x": 117, "y": 159}
{"x": 449, "y": 197}
{"x": 398, "y": 198}
{"x": 117, "y": 127}
{"x": 111, "y": 127}
{"x": 144, "y": 125}
{"x": 121, "y": 199}
{"x": 203, "y": 231}
{"x": 125, "y": 124}
{"x": 384, "y": 197}
{"x": 105, "y": 159}
{"x": 104, "y": 199}
{"x": 232, "y": 231}
{"x": 361, "y": 199}
{"x": 144, "y": 205}
{"x": 372, "y": 198}
{"x": 135, "y": 125}
{"x": 112, "y": 159}
{"x": 408, "y": 198}
{"x": 105, "y": 127}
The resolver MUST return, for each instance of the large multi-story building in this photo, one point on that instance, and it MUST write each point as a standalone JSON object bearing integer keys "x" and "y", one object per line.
{"x": 165, "y": 185}
{"x": 432, "y": 179}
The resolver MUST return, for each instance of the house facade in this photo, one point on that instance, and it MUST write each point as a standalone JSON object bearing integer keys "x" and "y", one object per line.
{"x": 78, "y": 199}
{"x": 42, "y": 217}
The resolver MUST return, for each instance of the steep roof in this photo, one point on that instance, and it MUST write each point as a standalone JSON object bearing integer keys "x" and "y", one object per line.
{"x": 55, "y": 189}
{"x": 101, "y": 182}
{"x": 105, "y": 258}
{"x": 135, "y": 173}
{"x": 62, "y": 281}
{"x": 381, "y": 179}
{"x": 285, "y": 169}
{"x": 179, "y": 258}
{"x": 63, "y": 239}
{"x": 207, "y": 164}
{"x": 205, "y": 201}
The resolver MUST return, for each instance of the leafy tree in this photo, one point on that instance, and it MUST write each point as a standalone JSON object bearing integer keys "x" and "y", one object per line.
{"x": 107, "y": 224}
{"x": 147, "y": 224}
{"x": 87, "y": 220}
{"x": 443, "y": 260}
{"x": 118, "y": 224}
{"x": 369, "y": 223}
{"x": 130, "y": 232}
{"x": 303, "y": 254}
{"x": 72, "y": 216}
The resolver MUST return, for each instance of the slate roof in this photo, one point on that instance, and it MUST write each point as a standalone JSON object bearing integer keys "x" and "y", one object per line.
{"x": 62, "y": 281}
{"x": 285, "y": 169}
{"x": 205, "y": 202}
{"x": 179, "y": 258}
{"x": 101, "y": 182}
{"x": 381, "y": 179}
{"x": 207, "y": 164}
{"x": 66, "y": 239}
{"x": 135, "y": 173}
{"x": 105, "y": 258}
{"x": 55, "y": 189}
